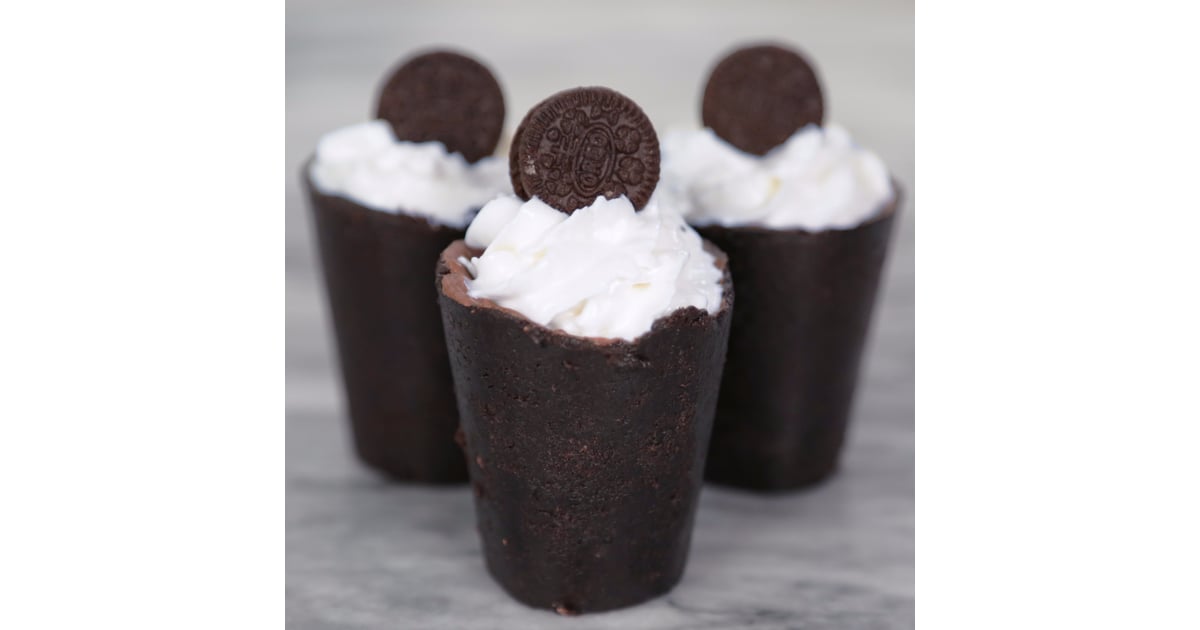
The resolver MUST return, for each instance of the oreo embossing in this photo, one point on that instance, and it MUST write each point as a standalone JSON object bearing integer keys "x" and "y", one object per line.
{"x": 584, "y": 143}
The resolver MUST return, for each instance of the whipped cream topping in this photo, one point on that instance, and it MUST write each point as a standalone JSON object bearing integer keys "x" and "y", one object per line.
{"x": 366, "y": 164}
{"x": 817, "y": 180}
{"x": 603, "y": 271}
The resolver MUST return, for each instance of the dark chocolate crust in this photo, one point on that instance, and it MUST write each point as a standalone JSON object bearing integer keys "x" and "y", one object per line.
{"x": 758, "y": 96}
{"x": 389, "y": 336}
{"x": 586, "y": 455}
{"x": 804, "y": 305}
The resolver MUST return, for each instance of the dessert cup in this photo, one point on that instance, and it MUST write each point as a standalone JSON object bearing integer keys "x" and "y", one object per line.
{"x": 803, "y": 309}
{"x": 389, "y": 336}
{"x": 586, "y": 455}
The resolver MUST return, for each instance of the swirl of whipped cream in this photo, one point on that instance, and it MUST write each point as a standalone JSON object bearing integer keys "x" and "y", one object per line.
{"x": 817, "y": 180}
{"x": 366, "y": 164}
{"x": 603, "y": 271}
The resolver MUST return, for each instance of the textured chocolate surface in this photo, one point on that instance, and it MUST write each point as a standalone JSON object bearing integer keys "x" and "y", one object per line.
{"x": 757, "y": 97}
{"x": 514, "y": 162}
{"x": 583, "y": 143}
{"x": 447, "y": 97}
{"x": 586, "y": 456}
{"x": 803, "y": 308}
{"x": 389, "y": 336}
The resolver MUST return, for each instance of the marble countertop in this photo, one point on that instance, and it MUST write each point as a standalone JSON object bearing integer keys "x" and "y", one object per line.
{"x": 362, "y": 553}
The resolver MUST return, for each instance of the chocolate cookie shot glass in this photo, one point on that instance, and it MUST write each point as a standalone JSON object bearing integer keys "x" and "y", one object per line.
{"x": 805, "y": 216}
{"x": 587, "y": 326}
{"x": 387, "y": 197}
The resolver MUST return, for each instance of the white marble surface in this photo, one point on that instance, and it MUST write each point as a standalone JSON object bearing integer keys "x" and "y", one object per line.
{"x": 365, "y": 554}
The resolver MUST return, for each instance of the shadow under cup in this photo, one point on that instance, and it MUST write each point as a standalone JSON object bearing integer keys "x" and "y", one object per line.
{"x": 804, "y": 304}
{"x": 377, "y": 269}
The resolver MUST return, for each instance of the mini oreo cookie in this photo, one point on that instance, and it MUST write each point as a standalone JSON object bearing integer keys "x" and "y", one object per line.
{"x": 445, "y": 97}
{"x": 583, "y": 143}
{"x": 757, "y": 97}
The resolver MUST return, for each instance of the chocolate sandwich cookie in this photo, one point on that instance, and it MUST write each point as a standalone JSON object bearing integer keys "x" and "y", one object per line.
{"x": 757, "y": 97}
{"x": 586, "y": 455}
{"x": 445, "y": 97}
{"x": 584, "y": 143}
